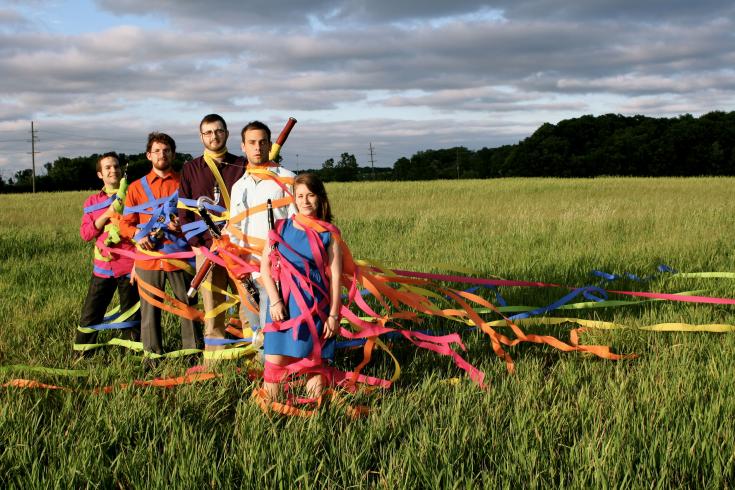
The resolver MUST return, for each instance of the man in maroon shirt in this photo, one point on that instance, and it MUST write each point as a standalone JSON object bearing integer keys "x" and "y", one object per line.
{"x": 221, "y": 169}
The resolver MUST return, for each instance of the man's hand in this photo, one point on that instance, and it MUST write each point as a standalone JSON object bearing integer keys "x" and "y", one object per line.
{"x": 173, "y": 224}
{"x": 145, "y": 243}
{"x": 133, "y": 276}
{"x": 110, "y": 211}
{"x": 103, "y": 218}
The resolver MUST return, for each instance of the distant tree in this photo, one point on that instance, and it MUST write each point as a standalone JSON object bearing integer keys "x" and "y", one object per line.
{"x": 326, "y": 173}
{"x": 402, "y": 168}
{"x": 346, "y": 160}
{"x": 23, "y": 182}
{"x": 346, "y": 168}
{"x": 68, "y": 174}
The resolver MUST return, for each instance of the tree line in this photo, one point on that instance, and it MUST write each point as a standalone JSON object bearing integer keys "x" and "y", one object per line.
{"x": 586, "y": 146}
{"x": 80, "y": 173}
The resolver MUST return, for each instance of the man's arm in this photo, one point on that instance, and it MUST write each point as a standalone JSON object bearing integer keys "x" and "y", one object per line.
{"x": 88, "y": 229}
{"x": 186, "y": 192}
{"x": 93, "y": 222}
{"x": 129, "y": 222}
{"x": 236, "y": 199}
{"x": 291, "y": 207}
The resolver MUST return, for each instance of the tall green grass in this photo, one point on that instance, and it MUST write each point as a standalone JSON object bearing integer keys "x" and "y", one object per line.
{"x": 662, "y": 420}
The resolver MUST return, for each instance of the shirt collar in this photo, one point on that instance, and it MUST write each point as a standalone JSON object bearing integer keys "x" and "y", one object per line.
{"x": 152, "y": 176}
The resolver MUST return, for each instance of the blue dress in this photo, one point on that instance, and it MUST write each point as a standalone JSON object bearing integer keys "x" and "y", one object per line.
{"x": 283, "y": 342}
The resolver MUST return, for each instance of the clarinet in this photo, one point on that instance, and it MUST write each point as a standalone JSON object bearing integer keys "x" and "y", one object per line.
{"x": 272, "y": 226}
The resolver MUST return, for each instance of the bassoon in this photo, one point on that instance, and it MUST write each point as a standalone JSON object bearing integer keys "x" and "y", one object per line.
{"x": 276, "y": 148}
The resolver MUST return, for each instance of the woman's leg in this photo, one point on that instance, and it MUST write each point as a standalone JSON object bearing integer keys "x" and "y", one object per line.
{"x": 315, "y": 386}
{"x": 274, "y": 374}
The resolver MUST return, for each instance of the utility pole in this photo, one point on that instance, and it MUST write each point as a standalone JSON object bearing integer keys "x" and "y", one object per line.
{"x": 458, "y": 163}
{"x": 372, "y": 161}
{"x": 33, "y": 157}
{"x": 297, "y": 163}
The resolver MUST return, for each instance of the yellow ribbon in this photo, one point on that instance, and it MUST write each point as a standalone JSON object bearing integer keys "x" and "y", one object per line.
{"x": 209, "y": 157}
{"x": 600, "y": 325}
{"x": 397, "y": 372}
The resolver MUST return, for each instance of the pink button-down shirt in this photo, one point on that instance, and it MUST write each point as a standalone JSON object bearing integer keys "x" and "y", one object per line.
{"x": 117, "y": 265}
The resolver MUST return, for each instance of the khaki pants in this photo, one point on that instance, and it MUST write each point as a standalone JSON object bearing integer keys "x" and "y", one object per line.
{"x": 150, "y": 315}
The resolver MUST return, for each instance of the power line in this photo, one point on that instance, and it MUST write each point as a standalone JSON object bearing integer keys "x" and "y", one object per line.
{"x": 458, "y": 163}
{"x": 372, "y": 160}
{"x": 34, "y": 138}
{"x": 89, "y": 137}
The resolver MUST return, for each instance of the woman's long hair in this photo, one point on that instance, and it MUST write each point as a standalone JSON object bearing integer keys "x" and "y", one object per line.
{"x": 315, "y": 185}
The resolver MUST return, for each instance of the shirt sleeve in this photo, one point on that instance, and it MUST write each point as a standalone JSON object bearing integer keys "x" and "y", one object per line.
{"x": 87, "y": 230}
{"x": 234, "y": 210}
{"x": 291, "y": 207}
{"x": 185, "y": 192}
{"x": 129, "y": 222}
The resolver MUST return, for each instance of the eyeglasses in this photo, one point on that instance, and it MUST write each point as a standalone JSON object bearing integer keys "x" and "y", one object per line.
{"x": 211, "y": 133}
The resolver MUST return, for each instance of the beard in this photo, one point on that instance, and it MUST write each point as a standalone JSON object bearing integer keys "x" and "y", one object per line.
{"x": 163, "y": 164}
{"x": 215, "y": 146}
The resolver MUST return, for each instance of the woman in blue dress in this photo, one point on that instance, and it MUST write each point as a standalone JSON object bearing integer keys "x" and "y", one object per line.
{"x": 306, "y": 260}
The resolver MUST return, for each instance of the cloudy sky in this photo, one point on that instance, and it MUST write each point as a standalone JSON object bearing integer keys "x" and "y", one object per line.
{"x": 98, "y": 75}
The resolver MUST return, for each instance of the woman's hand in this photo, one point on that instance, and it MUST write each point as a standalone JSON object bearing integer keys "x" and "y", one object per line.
{"x": 278, "y": 311}
{"x": 331, "y": 328}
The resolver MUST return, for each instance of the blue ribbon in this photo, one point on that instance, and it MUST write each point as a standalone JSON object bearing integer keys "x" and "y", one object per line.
{"x": 114, "y": 326}
{"x": 102, "y": 272}
{"x": 586, "y": 291}
{"x": 607, "y": 276}
{"x": 215, "y": 341}
{"x": 100, "y": 205}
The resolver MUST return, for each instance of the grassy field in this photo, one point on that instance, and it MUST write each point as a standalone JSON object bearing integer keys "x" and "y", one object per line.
{"x": 665, "y": 419}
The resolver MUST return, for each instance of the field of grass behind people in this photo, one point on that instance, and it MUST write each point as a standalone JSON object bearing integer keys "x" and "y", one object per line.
{"x": 662, "y": 420}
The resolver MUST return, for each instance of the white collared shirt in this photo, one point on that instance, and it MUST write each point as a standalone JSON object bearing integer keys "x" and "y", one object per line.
{"x": 247, "y": 194}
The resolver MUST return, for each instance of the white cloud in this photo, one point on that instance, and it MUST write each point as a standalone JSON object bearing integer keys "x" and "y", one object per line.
{"x": 404, "y": 75}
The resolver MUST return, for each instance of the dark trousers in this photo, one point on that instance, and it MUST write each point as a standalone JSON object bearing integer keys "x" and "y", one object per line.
{"x": 150, "y": 315}
{"x": 99, "y": 296}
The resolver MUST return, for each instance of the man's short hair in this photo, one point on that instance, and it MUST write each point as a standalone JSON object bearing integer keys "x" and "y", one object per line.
{"x": 210, "y": 118}
{"x": 156, "y": 137}
{"x": 109, "y": 154}
{"x": 255, "y": 125}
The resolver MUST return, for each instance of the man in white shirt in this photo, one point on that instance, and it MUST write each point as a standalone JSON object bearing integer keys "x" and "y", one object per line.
{"x": 263, "y": 180}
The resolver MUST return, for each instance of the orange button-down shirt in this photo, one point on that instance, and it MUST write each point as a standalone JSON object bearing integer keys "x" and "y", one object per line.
{"x": 160, "y": 187}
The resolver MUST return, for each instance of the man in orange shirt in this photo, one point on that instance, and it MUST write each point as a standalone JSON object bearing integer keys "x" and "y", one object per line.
{"x": 150, "y": 219}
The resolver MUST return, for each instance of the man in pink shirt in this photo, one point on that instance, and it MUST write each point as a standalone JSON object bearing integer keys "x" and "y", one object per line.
{"x": 111, "y": 271}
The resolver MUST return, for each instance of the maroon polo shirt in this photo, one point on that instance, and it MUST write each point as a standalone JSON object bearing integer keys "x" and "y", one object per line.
{"x": 197, "y": 180}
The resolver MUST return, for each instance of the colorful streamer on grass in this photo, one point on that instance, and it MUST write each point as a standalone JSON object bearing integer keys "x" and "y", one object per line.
{"x": 402, "y": 299}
